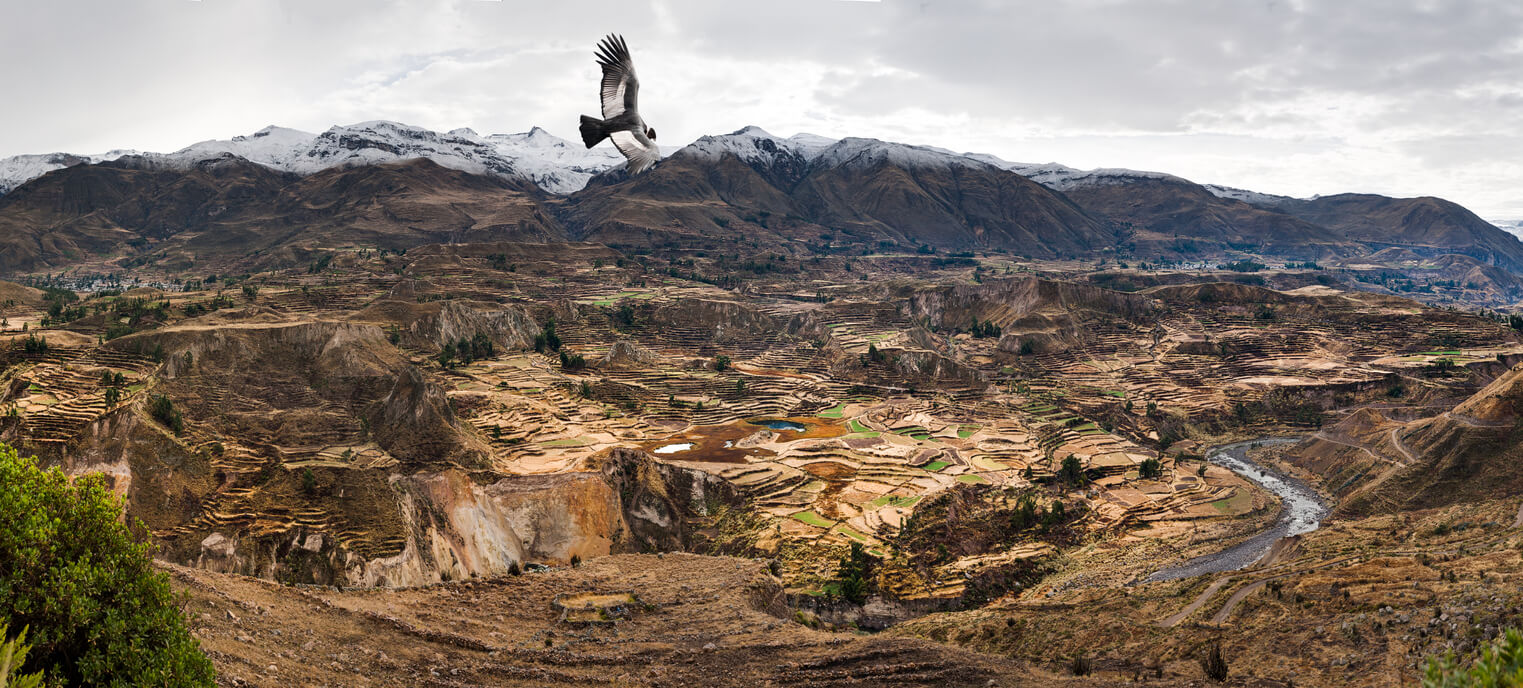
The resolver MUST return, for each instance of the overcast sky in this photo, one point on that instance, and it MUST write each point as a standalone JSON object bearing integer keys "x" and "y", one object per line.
{"x": 1297, "y": 97}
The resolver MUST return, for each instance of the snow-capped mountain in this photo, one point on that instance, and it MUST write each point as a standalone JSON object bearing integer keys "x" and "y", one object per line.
{"x": 758, "y": 148}
{"x": 21, "y": 169}
{"x": 562, "y": 167}
{"x": 554, "y": 164}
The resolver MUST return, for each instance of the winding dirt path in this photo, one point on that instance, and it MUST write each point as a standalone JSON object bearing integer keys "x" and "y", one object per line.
{"x": 1199, "y": 600}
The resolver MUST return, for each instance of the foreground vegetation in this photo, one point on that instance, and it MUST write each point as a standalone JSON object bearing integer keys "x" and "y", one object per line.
{"x": 81, "y": 590}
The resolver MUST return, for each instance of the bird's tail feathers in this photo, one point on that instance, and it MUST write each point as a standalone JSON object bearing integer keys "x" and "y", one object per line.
{"x": 592, "y": 131}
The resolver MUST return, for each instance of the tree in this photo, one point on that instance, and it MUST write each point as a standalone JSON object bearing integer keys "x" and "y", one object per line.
{"x": 1072, "y": 472}
{"x": 73, "y": 575}
{"x": 308, "y": 481}
{"x": 547, "y": 339}
{"x": 1150, "y": 469}
{"x": 854, "y": 574}
{"x": 721, "y": 363}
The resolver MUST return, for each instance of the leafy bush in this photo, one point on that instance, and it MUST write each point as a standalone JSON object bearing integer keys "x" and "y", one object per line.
{"x": 12, "y": 656}
{"x": 1500, "y": 665}
{"x": 73, "y": 575}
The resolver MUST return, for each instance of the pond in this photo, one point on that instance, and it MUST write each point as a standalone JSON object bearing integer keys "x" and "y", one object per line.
{"x": 674, "y": 448}
{"x": 781, "y": 425}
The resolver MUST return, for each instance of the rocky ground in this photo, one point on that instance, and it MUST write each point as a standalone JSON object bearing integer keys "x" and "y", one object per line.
{"x": 695, "y": 621}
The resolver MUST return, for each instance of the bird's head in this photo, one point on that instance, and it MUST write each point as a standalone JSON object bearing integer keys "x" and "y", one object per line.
{"x": 650, "y": 133}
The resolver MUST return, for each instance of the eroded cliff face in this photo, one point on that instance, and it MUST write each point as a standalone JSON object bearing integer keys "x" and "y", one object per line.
{"x": 457, "y": 525}
{"x": 1011, "y": 303}
{"x": 429, "y": 326}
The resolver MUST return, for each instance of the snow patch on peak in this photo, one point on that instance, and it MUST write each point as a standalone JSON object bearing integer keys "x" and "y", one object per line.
{"x": 810, "y": 144}
{"x": 752, "y": 144}
{"x": 1246, "y": 196}
{"x": 854, "y": 151}
{"x": 553, "y": 163}
{"x": 1063, "y": 178}
{"x": 20, "y": 169}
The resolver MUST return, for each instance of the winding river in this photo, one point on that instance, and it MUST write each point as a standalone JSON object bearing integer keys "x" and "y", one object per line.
{"x": 1302, "y": 513}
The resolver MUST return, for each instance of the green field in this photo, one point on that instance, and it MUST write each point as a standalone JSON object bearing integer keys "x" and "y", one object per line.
{"x": 848, "y": 532}
{"x": 813, "y": 519}
{"x": 937, "y": 465}
{"x": 967, "y": 431}
{"x": 896, "y": 501}
{"x": 972, "y": 479}
{"x": 834, "y": 412}
{"x": 857, "y": 426}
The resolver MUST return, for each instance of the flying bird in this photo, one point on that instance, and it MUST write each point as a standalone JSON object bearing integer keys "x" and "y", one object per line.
{"x": 621, "y": 121}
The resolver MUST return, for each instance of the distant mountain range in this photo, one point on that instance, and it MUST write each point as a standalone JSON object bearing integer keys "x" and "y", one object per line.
{"x": 279, "y": 194}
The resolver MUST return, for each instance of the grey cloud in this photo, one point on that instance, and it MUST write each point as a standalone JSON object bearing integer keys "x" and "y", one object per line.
{"x": 1380, "y": 81}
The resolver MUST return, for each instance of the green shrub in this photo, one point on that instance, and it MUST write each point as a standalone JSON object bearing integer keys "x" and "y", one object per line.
{"x": 1499, "y": 665}
{"x": 12, "y": 656}
{"x": 72, "y": 574}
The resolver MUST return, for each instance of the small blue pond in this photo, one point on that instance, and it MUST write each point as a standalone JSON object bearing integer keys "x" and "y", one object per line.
{"x": 781, "y": 425}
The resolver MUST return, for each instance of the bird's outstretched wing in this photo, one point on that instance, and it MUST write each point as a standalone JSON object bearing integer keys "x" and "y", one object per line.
{"x": 620, "y": 87}
{"x": 641, "y": 151}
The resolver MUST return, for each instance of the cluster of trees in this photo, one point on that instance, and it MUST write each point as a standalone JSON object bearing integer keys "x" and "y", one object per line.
{"x": 34, "y": 344}
{"x": 873, "y": 355}
{"x": 984, "y": 330}
{"x": 547, "y": 340}
{"x": 465, "y": 351}
{"x": 113, "y": 383}
{"x": 163, "y": 410}
{"x": 1028, "y": 515}
{"x": 571, "y": 361}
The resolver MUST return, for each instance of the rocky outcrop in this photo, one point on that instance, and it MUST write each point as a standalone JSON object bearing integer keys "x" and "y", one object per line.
{"x": 626, "y": 354}
{"x": 1006, "y": 302}
{"x": 415, "y": 423}
{"x": 429, "y": 326}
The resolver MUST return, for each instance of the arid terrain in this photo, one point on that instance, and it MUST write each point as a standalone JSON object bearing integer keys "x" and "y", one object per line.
{"x": 734, "y": 423}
